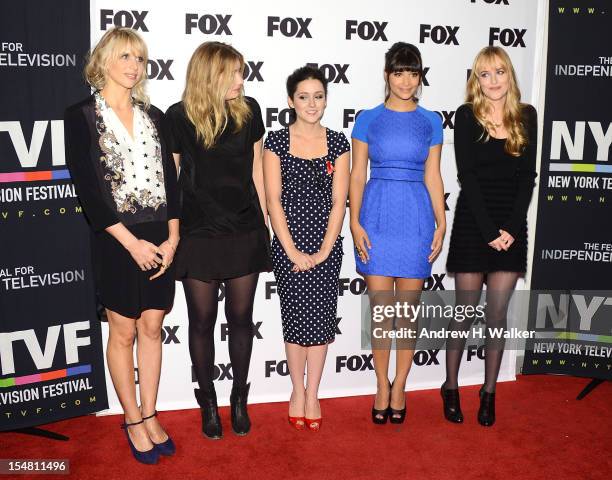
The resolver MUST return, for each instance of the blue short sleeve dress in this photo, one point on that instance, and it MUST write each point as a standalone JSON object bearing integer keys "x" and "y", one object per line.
{"x": 396, "y": 210}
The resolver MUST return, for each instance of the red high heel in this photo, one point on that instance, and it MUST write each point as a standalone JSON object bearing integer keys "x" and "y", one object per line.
{"x": 313, "y": 424}
{"x": 297, "y": 422}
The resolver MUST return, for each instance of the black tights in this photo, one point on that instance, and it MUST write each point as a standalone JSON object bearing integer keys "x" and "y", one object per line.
{"x": 202, "y": 303}
{"x": 500, "y": 286}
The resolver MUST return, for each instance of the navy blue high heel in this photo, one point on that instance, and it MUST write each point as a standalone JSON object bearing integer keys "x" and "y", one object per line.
{"x": 166, "y": 448}
{"x": 150, "y": 457}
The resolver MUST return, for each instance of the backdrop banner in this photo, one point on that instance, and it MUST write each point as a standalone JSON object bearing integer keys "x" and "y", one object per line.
{"x": 348, "y": 42}
{"x": 51, "y": 356}
{"x": 573, "y": 245}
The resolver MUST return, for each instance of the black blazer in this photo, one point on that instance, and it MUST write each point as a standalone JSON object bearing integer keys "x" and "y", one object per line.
{"x": 88, "y": 172}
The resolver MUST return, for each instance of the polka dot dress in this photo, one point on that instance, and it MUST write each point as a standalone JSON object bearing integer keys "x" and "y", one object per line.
{"x": 308, "y": 299}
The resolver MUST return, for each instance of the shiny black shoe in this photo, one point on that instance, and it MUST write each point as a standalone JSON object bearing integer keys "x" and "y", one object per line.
{"x": 397, "y": 416}
{"x": 211, "y": 423}
{"x": 380, "y": 417}
{"x": 166, "y": 448}
{"x": 452, "y": 407}
{"x": 486, "y": 412}
{"x": 241, "y": 424}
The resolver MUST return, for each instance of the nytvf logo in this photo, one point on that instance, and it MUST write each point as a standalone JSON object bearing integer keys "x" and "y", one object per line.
{"x": 508, "y": 37}
{"x": 133, "y": 19}
{"x": 296, "y": 27}
{"x": 440, "y": 34}
{"x": 373, "y": 30}
{"x": 363, "y": 362}
{"x": 28, "y": 156}
{"x": 556, "y": 309}
{"x": 43, "y": 355}
{"x": 209, "y": 24}
{"x": 221, "y": 371}
{"x": 574, "y": 145}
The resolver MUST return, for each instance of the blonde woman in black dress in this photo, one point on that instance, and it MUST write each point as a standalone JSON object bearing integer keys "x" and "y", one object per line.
{"x": 216, "y": 135}
{"x": 495, "y": 149}
{"x": 126, "y": 181}
{"x": 307, "y": 173}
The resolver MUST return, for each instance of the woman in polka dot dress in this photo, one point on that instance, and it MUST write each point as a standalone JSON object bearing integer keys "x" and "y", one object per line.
{"x": 306, "y": 170}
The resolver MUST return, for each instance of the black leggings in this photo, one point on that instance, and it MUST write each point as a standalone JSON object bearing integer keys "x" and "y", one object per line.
{"x": 500, "y": 286}
{"x": 202, "y": 304}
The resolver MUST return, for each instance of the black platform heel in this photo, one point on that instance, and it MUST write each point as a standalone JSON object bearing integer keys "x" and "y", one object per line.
{"x": 397, "y": 416}
{"x": 452, "y": 407}
{"x": 486, "y": 412}
{"x": 211, "y": 423}
{"x": 380, "y": 417}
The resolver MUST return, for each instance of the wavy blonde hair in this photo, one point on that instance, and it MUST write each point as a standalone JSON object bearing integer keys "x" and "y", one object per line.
{"x": 110, "y": 47}
{"x": 512, "y": 115}
{"x": 210, "y": 75}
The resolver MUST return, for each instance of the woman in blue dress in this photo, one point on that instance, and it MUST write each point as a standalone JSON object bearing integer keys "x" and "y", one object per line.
{"x": 397, "y": 219}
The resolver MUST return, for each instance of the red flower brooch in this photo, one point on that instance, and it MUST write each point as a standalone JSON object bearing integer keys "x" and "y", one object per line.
{"x": 329, "y": 167}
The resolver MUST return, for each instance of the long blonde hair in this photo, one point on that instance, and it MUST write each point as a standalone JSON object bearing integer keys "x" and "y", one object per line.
{"x": 108, "y": 49}
{"x": 210, "y": 74}
{"x": 512, "y": 118}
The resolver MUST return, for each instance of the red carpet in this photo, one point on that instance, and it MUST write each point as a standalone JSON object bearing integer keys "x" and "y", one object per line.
{"x": 541, "y": 433}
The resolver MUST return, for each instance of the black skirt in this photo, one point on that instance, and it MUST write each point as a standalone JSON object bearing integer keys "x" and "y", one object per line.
{"x": 120, "y": 284}
{"x": 469, "y": 251}
{"x": 223, "y": 257}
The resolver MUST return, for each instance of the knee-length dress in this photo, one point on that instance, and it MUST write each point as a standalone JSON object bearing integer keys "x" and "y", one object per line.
{"x": 396, "y": 210}
{"x": 496, "y": 189}
{"x": 128, "y": 180}
{"x": 308, "y": 299}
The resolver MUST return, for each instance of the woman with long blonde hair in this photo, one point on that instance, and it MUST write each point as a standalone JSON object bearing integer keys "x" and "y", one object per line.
{"x": 216, "y": 137}
{"x": 495, "y": 149}
{"x": 126, "y": 180}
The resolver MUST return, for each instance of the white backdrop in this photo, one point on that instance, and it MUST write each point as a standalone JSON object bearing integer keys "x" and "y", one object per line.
{"x": 275, "y": 38}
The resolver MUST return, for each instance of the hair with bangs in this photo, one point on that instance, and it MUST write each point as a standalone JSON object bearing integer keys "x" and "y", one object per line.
{"x": 110, "y": 47}
{"x": 403, "y": 57}
{"x": 210, "y": 75}
{"x": 512, "y": 114}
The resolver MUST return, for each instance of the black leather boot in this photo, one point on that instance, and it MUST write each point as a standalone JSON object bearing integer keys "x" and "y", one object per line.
{"x": 241, "y": 424}
{"x": 211, "y": 423}
{"x": 452, "y": 407}
{"x": 486, "y": 412}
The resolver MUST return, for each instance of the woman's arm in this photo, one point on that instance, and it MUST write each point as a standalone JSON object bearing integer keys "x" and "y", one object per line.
{"x": 340, "y": 185}
{"x": 435, "y": 187}
{"x": 465, "y": 154}
{"x": 273, "y": 189}
{"x": 359, "y": 172}
{"x": 258, "y": 177}
{"x": 525, "y": 175}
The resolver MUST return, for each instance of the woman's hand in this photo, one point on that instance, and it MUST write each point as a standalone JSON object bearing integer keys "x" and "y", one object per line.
{"x": 361, "y": 241}
{"x": 146, "y": 255}
{"x": 168, "y": 250}
{"x": 436, "y": 244}
{"x": 503, "y": 242}
{"x": 319, "y": 257}
{"x": 301, "y": 261}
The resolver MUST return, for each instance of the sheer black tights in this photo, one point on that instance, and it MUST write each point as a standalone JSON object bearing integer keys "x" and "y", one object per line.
{"x": 500, "y": 286}
{"x": 202, "y": 304}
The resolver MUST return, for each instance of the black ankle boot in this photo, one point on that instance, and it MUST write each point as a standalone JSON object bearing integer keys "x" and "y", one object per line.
{"x": 452, "y": 407}
{"x": 211, "y": 423}
{"x": 241, "y": 424}
{"x": 486, "y": 412}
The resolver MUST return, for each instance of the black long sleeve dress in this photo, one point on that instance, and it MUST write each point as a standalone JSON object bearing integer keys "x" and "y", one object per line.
{"x": 495, "y": 193}
{"x": 126, "y": 180}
